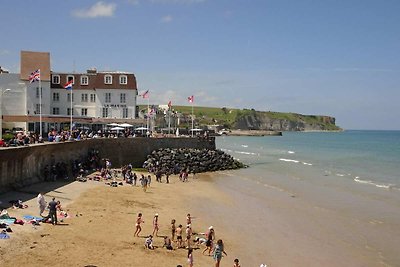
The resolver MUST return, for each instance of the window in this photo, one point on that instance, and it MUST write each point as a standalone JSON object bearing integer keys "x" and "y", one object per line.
{"x": 123, "y": 79}
{"x": 71, "y": 77}
{"x": 56, "y": 79}
{"x": 107, "y": 97}
{"x": 56, "y": 97}
{"x": 108, "y": 79}
{"x": 125, "y": 113}
{"x": 37, "y": 111}
{"x": 84, "y": 112}
{"x": 56, "y": 111}
{"x": 92, "y": 98}
{"x": 69, "y": 111}
{"x": 84, "y": 98}
{"x": 38, "y": 93}
{"x": 104, "y": 112}
{"x": 69, "y": 97}
{"x": 123, "y": 98}
{"x": 84, "y": 80}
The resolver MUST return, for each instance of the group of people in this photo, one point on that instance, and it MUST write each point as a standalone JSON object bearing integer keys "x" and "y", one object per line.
{"x": 215, "y": 249}
{"x": 53, "y": 206}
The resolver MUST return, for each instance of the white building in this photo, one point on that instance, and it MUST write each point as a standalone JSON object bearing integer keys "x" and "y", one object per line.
{"x": 98, "y": 98}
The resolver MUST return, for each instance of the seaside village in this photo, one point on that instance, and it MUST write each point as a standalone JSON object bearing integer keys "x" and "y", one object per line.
{"x": 41, "y": 107}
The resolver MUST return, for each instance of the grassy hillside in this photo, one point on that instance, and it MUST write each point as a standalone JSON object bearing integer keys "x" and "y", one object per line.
{"x": 229, "y": 117}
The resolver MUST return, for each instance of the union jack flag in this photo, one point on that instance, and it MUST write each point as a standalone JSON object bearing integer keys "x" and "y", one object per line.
{"x": 191, "y": 99}
{"x": 35, "y": 76}
{"x": 146, "y": 94}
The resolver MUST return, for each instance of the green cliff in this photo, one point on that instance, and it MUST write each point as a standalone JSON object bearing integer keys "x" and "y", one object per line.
{"x": 250, "y": 119}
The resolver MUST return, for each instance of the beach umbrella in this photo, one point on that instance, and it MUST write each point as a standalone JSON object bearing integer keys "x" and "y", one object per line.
{"x": 113, "y": 124}
{"x": 117, "y": 128}
{"x": 141, "y": 129}
{"x": 126, "y": 125}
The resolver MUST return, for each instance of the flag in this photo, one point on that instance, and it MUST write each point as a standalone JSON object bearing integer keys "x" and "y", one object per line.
{"x": 191, "y": 99}
{"x": 152, "y": 111}
{"x": 146, "y": 94}
{"x": 35, "y": 76}
{"x": 68, "y": 85}
{"x": 169, "y": 104}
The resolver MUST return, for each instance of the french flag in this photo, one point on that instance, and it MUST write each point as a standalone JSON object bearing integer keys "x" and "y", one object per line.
{"x": 68, "y": 85}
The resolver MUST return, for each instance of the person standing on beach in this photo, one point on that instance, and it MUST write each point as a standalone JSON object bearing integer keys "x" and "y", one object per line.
{"x": 143, "y": 181}
{"x": 190, "y": 257}
{"x": 148, "y": 180}
{"x": 179, "y": 235}
{"x": 155, "y": 225}
{"x": 188, "y": 235}
{"x": 210, "y": 236}
{"x": 41, "y": 202}
{"x": 173, "y": 229}
{"x": 139, "y": 220}
{"x": 52, "y": 212}
{"x": 188, "y": 219}
{"x": 217, "y": 253}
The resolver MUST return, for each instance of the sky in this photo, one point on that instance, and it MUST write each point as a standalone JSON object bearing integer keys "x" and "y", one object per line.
{"x": 339, "y": 58}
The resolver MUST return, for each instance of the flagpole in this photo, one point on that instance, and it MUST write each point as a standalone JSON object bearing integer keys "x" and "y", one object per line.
{"x": 40, "y": 106}
{"x": 192, "y": 117}
{"x": 148, "y": 114}
{"x": 71, "y": 114}
{"x": 169, "y": 121}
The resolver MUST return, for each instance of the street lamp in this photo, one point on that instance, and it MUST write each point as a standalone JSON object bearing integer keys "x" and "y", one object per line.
{"x": 1, "y": 113}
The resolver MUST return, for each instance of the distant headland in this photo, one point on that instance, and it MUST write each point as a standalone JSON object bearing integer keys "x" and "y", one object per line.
{"x": 248, "y": 119}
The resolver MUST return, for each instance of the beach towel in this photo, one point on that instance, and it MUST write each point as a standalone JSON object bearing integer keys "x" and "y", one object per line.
{"x": 30, "y": 217}
{"x": 4, "y": 235}
{"x": 7, "y": 221}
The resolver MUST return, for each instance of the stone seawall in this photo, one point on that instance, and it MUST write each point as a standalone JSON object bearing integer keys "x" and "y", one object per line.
{"x": 22, "y": 166}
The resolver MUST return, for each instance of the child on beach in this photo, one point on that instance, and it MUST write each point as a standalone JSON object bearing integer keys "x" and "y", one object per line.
{"x": 167, "y": 243}
{"x": 138, "y": 222}
{"x": 149, "y": 242}
{"x": 236, "y": 263}
{"x": 190, "y": 257}
{"x": 155, "y": 225}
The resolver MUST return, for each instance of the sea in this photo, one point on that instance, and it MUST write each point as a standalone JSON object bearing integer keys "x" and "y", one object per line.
{"x": 313, "y": 198}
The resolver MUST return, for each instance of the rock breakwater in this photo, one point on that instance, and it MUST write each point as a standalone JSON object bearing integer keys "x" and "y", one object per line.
{"x": 193, "y": 160}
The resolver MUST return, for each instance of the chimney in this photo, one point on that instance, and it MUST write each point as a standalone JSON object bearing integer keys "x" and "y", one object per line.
{"x": 92, "y": 70}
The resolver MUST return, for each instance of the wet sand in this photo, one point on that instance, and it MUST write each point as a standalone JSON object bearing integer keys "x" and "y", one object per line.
{"x": 100, "y": 230}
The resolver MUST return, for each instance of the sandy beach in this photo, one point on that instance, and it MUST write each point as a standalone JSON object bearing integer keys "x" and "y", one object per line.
{"x": 102, "y": 223}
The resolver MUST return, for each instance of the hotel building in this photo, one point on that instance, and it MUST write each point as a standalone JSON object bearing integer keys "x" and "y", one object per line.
{"x": 98, "y": 97}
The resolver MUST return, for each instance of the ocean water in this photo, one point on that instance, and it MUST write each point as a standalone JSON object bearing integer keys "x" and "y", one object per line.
{"x": 312, "y": 199}
{"x": 365, "y": 157}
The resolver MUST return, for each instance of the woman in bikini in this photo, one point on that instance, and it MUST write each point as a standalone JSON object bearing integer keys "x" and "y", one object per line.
{"x": 155, "y": 225}
{"x": 138, "y": 222}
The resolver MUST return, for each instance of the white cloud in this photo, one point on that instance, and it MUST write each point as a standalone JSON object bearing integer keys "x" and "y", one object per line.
{"x": 167, "y": 19}
{"x": 100, "y": 9}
